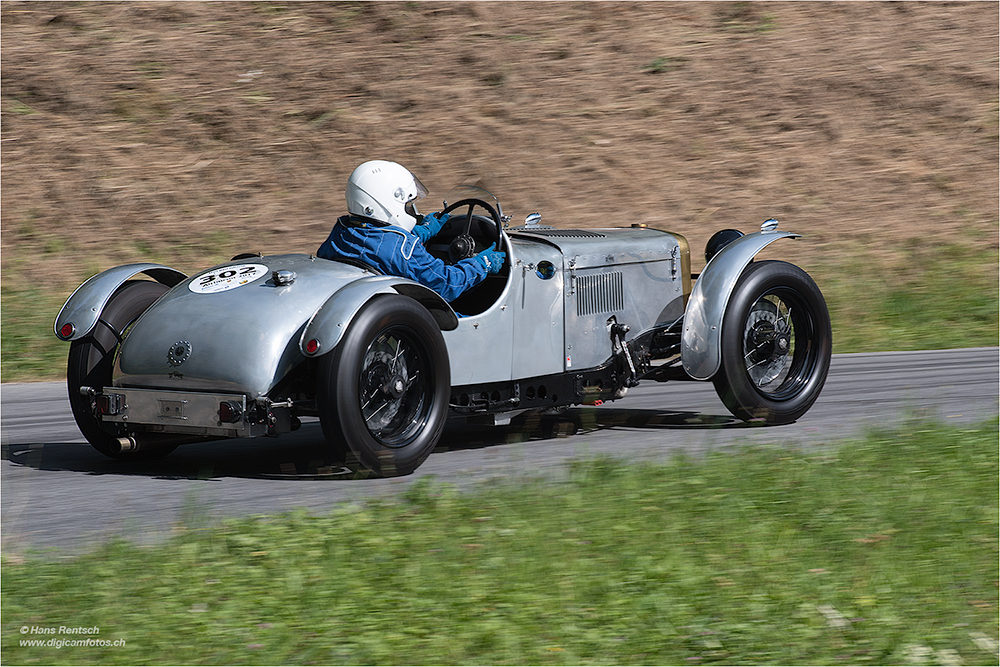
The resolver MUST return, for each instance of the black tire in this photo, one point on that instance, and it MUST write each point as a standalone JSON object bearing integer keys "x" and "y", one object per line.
{"x": 91, "y": 364}
{"x": 776, "y": 344}
{"x": 383, "y": 392}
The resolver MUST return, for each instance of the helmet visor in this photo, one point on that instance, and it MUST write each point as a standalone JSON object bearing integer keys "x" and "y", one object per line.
{"x": 419, "y": 192}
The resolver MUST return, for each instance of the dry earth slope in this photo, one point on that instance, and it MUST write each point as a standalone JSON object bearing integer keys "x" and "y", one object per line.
{"x": 173, "y": 130}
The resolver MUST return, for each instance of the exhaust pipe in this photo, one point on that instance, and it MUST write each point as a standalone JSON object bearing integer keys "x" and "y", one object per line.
{"x": 128, "y": 444}
{"x": 151, "y": 442}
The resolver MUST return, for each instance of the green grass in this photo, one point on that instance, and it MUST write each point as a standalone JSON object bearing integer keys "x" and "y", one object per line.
{"x": 937, "y": 297}
{"x": 29, "y": 349}
{"x": 661, "y": 65}
{"x": 878, "y": 551}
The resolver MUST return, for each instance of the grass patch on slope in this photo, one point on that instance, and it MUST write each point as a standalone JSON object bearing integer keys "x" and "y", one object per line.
{"x": 880, "y": 551}
{"x": 929, "y": 298}
{"x": 29, "y": 350}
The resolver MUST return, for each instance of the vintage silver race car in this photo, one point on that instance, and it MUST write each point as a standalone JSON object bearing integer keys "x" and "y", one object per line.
{"x": 576, "y": 316}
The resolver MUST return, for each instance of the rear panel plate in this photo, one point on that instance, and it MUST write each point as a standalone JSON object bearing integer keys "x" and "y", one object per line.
{"x": 180, "y": 412}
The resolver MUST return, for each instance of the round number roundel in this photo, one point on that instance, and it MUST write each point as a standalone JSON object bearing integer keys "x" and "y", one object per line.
{"x": 227, "y": 278}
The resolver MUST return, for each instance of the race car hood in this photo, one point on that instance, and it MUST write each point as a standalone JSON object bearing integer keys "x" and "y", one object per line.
{"x": 591, "y": 248}
{"x": 234, "y": 327}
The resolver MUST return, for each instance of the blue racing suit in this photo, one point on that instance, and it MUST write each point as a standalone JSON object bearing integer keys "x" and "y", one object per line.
{"x": 396, "y": 252}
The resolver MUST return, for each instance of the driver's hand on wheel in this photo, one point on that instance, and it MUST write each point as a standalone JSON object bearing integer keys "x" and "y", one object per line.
{"x": 431, "y": 225}
{"x": 492, "y": 260}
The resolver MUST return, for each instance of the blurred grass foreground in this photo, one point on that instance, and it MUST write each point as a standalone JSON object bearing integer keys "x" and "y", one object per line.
{"x": 882, "y": 550}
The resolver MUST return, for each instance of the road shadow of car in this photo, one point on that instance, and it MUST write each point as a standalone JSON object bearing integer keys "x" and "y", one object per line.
{"x": 577, "y": 421}
{"x": 304, "y": 455}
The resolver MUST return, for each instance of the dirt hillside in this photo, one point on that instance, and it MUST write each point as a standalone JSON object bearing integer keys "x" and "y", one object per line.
{"x": 167, "y": 130}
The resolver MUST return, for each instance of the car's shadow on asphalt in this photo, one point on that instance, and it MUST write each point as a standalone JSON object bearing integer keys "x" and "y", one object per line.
{"x": 304, "y": 454}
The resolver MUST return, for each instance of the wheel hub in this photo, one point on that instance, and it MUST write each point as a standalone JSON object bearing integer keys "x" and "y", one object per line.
{"x": 391, "y": 392}
{"x": 381, "y": 379}
{"x": 767, "y": 341}
{"x": 395, "y": 386}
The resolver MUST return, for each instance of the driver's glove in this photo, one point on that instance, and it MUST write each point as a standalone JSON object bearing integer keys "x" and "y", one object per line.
{"x": 491, "y": 259}
{"x": 430, "y": 226}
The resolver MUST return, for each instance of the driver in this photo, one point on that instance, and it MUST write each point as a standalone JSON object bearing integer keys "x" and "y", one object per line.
{"x": 383, "y": 229}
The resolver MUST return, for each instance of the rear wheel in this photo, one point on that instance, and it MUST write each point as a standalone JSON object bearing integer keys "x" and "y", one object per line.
{"x": 91, "y": 364}
{"x": 776, "y": 344}
{"x": 383, "y": 393}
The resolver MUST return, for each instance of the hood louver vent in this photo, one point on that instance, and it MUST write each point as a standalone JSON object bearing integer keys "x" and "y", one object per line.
{"x": 600, "y": 293}
{"x": 562, "y": 233}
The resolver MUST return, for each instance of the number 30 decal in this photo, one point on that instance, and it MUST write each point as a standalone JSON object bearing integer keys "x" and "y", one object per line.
{"x": 227, "y": 278}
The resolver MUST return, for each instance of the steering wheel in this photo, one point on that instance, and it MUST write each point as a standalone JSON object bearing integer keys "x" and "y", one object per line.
{"x": 463, "y": 246}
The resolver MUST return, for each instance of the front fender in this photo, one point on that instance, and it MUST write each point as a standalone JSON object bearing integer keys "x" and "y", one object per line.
{"x": 84, "y": 306}
{"x": 709, "y": 299}
{"x": 328, "y": 324}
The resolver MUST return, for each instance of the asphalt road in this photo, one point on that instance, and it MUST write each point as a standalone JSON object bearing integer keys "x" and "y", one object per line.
{"x": 59, "y": 496}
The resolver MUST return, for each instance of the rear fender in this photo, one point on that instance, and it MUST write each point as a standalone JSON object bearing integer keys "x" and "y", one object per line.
{"x": 328, "y": 324}
{"x": 709, "y": 300}
{"x": 84, "y": 306}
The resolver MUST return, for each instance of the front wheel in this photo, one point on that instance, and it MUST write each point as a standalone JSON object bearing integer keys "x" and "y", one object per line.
{"x": 776, "y": 344}
{"x": 383, "y": 393}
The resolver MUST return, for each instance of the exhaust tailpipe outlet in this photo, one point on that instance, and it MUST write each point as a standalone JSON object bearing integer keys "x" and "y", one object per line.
{"x": 128, "y": 444}
{"x": 149, "y": 443}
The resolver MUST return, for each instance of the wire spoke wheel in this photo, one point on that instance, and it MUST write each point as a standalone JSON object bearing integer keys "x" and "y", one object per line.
{"x": 776, "y": 344}
{"x": 383, "y": 392}
{"x": 769, "y": 343}
{"x": 394, "y": 392}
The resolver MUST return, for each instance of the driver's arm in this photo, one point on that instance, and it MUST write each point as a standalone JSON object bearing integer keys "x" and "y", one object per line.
{"x": 447, "y": 280}
{"x": 430, "y": 226}
{"x": 399, "y": 253}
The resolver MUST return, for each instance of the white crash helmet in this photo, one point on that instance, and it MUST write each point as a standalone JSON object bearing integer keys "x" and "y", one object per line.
{"x": 385, "y": 191}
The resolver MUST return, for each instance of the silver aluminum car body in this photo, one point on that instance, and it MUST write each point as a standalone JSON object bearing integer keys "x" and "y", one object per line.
{"x": 631, "y": 274}
{"x": 537, "y": 326}
{"x": 327, "y": 325}
{"x": 553, "y": 322}
{"x": 245, "y": 338}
